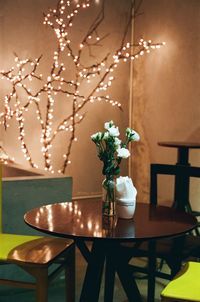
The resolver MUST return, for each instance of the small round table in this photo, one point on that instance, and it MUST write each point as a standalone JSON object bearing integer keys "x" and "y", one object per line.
{"x": 183, "y": 150}
{"x": 83, "y": 221}
{"x": 182, "y": 171}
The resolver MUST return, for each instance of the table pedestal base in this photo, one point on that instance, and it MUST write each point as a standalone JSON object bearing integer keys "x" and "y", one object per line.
{"x": 110, "y": 254}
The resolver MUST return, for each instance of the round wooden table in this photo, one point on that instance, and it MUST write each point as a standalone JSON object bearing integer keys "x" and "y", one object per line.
{"x": 83, "y": 221}
{"x": 183, "y": 150}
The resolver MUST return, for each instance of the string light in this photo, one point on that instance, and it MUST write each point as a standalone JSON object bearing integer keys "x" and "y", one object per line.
{"x": 97, "y": 76}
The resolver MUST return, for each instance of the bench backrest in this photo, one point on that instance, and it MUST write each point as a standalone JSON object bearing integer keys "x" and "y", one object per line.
{"x": 19, "y": 195}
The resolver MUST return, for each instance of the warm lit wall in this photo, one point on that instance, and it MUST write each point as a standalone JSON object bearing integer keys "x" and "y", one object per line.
{"x": 22, "y": 31}
{"x": 166, "y": 88}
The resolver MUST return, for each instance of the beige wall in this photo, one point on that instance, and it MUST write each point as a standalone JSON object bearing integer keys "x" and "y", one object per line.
{"x": 165, "y": 87}
{"x": 167, "y": 91}
{"x": 22, "y": 31}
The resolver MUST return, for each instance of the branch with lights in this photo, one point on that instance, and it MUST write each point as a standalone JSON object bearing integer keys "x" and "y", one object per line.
{"x": 90, "y": 82}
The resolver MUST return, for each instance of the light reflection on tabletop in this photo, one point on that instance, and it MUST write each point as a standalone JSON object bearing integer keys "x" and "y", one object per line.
{"x": 84, "y": 219}
{"x": 72, "y": 212}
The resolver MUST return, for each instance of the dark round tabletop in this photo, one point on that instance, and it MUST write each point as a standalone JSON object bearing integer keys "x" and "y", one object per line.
{"x": 189, "y": 145}
{"x": 83, "y": 219}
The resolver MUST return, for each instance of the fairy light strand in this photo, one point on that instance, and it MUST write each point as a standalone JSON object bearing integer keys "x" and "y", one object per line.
{"x": 98, "y": 76}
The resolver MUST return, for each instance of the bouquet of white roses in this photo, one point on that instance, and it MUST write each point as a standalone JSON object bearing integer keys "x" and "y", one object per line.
{"x": 111, "y": 149}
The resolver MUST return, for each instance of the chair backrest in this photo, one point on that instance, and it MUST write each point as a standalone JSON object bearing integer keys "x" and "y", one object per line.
{"x": 182, "y": 175}
{"x": 155, "y": 170}
{"x": 20, "y": 194}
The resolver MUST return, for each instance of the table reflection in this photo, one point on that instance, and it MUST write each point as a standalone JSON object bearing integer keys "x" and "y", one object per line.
{"x": 85, "y": 219}
{"x": 98, "y": 226}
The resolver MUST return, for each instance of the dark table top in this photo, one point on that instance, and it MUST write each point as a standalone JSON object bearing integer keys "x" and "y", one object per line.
{"x": 189, "y": 145}
{"x": 83, "y": 219}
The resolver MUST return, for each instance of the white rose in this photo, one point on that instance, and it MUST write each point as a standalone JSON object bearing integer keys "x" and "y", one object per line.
{"x": 108, "y": 125}
{"x": 117, "y": 142}
{"x": 136, "y": 136}
{"x": 123, "y": 153}
{"x": 96, "y": 137}
{"x": 106, "y": 135}
{"x": 132, "y": 135}
{"x": 114, "y": 131}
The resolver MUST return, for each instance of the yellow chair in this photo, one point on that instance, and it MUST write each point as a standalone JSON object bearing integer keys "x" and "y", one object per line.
{"x": 185, "y": 286}
{"x": 35, "y": 255}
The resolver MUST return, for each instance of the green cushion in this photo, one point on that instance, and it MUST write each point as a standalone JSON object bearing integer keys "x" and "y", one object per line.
{"x": 8, "y": 242}
{"x": 186, "y": 285}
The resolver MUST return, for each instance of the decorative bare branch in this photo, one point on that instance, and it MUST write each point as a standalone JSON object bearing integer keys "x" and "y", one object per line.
{"x": 97, "y": 74}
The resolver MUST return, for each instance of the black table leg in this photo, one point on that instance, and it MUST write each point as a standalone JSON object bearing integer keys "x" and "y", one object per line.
{"x": 116, "y": 261}
{"x": 151, "y": 271}
{"x": 109, "y": 279}
{"x": 93, "y": 276}
{"x": 181, "y": 195}
{"x": 129, "y": 284}
{"x": 182, "y": 182}
{"x": 121, "y": 257}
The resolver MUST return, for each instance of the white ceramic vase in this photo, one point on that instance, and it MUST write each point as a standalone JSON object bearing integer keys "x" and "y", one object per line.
{"x": 125, "y": 208}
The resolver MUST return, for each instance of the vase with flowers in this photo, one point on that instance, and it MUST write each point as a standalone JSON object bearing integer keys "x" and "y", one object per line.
{"x": 111, "y": 150}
